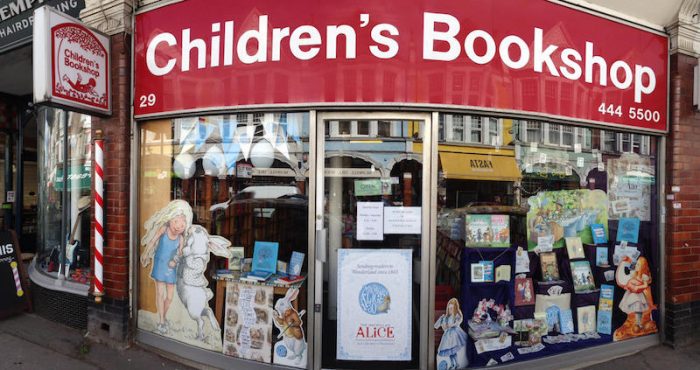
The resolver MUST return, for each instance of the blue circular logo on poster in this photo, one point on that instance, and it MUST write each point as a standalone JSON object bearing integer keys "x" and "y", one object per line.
{"x": 374, "y": 298}
{"x": 281, "y": 351}
{"x": 442, "y": 365}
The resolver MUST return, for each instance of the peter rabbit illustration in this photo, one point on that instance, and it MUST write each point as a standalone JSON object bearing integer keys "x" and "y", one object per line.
{"x": 289, "y": 323}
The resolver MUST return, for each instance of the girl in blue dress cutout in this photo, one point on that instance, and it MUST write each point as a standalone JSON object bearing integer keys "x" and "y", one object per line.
{"x": 454, "y": 339}
{"x": 163, "y": 243}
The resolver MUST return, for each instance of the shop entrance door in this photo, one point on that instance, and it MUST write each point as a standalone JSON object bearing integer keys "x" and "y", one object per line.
{"x": 372, "y": 219}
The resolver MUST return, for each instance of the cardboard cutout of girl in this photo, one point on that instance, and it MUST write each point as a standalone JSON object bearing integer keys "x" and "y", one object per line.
{"x": 637, "y": 302}
{"x": 163, "y": 242}
{"x": 454, "y": 340}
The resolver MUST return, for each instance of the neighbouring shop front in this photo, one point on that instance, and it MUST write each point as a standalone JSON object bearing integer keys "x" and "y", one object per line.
{"x": 425, "y": 185}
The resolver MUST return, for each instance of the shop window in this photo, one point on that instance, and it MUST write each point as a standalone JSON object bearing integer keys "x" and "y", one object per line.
{"x": 215, "y": 194}
{"x": 63, "y": 237}
{"x": 497, "y": 217}
{"x": 476, "y": 129}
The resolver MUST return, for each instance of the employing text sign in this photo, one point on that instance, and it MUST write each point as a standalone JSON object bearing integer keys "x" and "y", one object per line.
{"x": 531, "y": 56}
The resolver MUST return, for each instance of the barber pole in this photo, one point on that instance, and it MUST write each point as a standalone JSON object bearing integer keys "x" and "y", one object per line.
{"x": 18, "y": 283}
{"x": 99, "y": 214}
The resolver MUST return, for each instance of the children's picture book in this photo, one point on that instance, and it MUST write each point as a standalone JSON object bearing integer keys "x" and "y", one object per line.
{"x": 524, "y": 291}
{"x": 599, "y": 235}
{"x": 477, "y": 274}
{"x": 288, "y": 280}
{"x": 574, "y": 247}
{"x": 628, "y": 230}
{"x": 503, "y": 273}
{"x": 488, "y": 270}
{"x": 605, "y": 309}
{"x": 282, "y": 268}
{"x": 295, "y": 263}
{"x": 487, "y": 231}
{"x": 582, "y": 276}
{"x": 236, "y": 260}
{"x": 553, "y": 318}
{"x": 264, "y": 260}
{"x": 550, "y": 269}
{"x": 601, "y": 257}
{"x": 586, "y": 319}
{"x": 501, "y": 231}
{"x": 566, "y": 321}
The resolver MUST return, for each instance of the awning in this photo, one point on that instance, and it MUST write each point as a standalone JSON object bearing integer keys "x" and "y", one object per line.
{"x": 464, "y": 166}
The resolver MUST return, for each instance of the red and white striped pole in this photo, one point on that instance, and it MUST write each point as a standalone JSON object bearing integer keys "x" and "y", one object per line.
{"x": 99, "y": 214}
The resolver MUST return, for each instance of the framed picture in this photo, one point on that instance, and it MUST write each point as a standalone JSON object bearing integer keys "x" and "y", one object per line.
{"x": 550, "y": 269}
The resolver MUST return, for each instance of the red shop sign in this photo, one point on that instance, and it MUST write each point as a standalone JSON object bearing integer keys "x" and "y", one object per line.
{"x": 517, "y": 55}
{"x": 70, "y": 63}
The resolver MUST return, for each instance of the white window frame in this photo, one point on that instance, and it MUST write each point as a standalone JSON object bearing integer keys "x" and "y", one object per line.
{"x": 485, "y": 130}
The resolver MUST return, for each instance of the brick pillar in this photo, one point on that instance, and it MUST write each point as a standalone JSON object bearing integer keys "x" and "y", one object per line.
{"x": 682, "y": 239}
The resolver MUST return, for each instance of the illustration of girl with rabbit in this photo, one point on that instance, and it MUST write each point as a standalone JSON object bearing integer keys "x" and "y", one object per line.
{"x": 289, "y": 323}
{"x": 454, "y": 339}
{"x": 163, "y": 243}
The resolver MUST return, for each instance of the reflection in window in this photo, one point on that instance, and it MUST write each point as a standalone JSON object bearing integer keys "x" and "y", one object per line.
{"x": 64, "y": 194}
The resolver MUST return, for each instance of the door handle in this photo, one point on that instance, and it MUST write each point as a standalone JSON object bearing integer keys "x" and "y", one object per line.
{"x": 321, "y": 239}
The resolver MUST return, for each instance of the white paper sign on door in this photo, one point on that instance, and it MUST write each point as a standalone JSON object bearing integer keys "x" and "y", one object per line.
{"x": 402, "y": 220}
{"x": 374, "y": 304}
{"x": 370, "y": 220}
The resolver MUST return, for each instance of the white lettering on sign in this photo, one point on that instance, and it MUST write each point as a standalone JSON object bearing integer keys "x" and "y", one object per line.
{"x": 307, "y": 42}
{"x": 6, "y": 249}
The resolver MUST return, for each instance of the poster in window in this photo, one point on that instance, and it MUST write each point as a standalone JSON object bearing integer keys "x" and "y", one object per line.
{"x": 374, "y": 304}
{"x": 248, "y": 324}
{"x": 565, "y": 213}
{"x": 630, "y": 179}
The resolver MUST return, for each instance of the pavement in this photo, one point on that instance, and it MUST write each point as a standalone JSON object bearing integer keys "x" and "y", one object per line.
{"x": 28, "y": 341}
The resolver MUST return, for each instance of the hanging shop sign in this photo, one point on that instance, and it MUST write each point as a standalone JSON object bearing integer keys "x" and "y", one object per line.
{"x": 17, "y": 19}
{"x": 70, "y": 63}
{"x": 529, "y": 56}
{"x": 374, "y": 304}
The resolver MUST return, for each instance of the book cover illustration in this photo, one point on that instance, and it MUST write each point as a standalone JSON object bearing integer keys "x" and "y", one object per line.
{"x": 550, "y": 270}
{"x": 488, "y": 270}
{"x": 236, "y": 260}
{"x": 586, "y": 319}
{"x": 478, "y": 231}
{"x": 601, "y": 257}
{"x": 574, "y": 247}
{"x": 501, "y": 231}
{"x": 582, "y": 276}
{"x": 524, "y": 291}
{"x": 477, "y": 273}
{"x": 553, "y": 313}
{"x": 599, "y": 234}
{"x": 265, "y": 257}
{"x": 503, "y": 273}
{"x": 628, "y": 230}
{"x": 605, "y": 308}
{"x": 565, "y": 213}
{"x": 566, "y": 321}
{"x": 295, "y": 263}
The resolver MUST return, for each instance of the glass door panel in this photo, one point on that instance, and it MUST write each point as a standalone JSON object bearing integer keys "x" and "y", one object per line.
{"x": 372, "y": 213}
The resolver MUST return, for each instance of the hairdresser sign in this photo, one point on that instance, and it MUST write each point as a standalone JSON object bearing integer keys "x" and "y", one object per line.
{"x": 71, "y": 63}
{"x": 531, "y": 56}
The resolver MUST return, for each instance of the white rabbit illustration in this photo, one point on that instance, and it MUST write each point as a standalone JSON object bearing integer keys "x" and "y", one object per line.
{"x": 289, "y": 323}
{"x": 191, "y": 283}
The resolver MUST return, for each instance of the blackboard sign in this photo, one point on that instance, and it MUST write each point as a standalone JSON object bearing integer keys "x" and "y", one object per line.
{"x": 13, "y": 286}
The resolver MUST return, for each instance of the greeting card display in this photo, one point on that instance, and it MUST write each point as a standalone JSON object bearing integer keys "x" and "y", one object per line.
{"x": 487, "y": 231}
{"x": 582, "y": 276}
{"x": 550, "y": 270}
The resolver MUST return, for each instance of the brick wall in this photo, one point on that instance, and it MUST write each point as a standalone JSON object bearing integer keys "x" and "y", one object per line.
{"x": 109, "y": 320}
{"x": 683, "y": 225}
